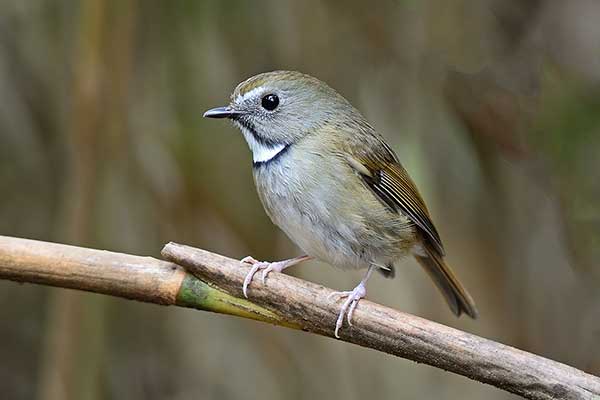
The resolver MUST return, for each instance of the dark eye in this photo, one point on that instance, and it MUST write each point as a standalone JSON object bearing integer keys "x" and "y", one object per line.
{"x": 270, "y": 102}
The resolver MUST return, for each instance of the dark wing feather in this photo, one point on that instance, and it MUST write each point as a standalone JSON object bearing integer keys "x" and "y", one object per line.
{"x": 386, "y": 177}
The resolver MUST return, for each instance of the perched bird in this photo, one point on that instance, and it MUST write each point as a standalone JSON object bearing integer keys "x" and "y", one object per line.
{"x": 333, "y": 185}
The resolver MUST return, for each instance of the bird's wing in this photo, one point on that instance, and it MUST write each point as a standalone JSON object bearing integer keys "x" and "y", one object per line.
{"x": 384, "y": 175}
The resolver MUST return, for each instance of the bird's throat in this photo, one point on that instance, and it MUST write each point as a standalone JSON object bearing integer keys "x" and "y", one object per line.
{"x": 262, "y": 152}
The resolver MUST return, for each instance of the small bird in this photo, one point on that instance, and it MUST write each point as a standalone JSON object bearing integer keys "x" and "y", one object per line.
{"x": 334, "y": 186}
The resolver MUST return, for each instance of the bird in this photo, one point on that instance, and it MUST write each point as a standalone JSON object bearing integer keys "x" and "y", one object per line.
{"x": 335, "y": 187}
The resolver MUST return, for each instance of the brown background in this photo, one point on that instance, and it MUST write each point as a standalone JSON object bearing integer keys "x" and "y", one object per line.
{"x": 493, "y": 106}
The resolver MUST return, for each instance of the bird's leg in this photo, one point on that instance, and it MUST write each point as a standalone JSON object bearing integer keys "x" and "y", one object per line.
{"x": 267, "y": 267}
{"x": 352, "y": 299}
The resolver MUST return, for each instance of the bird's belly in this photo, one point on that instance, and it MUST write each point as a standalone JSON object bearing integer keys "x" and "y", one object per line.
{"x": 328, "y": 223}
{"x": 334, "y": 243}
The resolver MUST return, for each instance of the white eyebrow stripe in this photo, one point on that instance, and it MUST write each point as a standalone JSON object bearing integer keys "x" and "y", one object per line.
{"x": 249, "y": 94}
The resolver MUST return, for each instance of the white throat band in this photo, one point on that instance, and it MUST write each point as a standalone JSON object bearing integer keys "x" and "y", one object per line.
{"x": 260, "y": 152}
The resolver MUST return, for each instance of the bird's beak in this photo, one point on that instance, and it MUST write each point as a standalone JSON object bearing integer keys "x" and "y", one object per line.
{"x": 221, "y": 112}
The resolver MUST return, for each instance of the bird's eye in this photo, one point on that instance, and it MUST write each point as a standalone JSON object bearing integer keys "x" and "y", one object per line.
{"x": 270, "y": 102}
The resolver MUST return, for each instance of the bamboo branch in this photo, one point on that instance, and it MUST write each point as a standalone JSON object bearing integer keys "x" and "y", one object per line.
{"x": 291, "y": 302}
{"x": 132, "y": 277}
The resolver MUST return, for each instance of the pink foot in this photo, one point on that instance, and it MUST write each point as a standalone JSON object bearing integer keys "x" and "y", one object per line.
{"x": 352, "y": 299}
{"x": 266, "y": 268}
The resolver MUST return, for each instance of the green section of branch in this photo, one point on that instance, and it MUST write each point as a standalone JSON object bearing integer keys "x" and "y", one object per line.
{"x": 197, "y": 294}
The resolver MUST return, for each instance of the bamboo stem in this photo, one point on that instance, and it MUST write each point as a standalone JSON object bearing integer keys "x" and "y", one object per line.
{"x": 291, "y": 302}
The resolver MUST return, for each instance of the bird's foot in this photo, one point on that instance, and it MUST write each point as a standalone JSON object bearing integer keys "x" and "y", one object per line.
{"x": 266, "y": 268}
{"x": 352, "y": 299}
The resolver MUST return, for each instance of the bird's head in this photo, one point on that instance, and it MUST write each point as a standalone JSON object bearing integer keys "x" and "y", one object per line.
{"x": 276, "y": 109}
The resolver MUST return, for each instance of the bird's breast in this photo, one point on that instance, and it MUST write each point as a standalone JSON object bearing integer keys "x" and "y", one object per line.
{"x": 323, "y": 207}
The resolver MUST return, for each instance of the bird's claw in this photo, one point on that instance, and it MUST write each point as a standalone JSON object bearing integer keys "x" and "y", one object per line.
{"x": 266, "y": 271}
{"x": 267, "y": 267}
{"x": 347, "y": 309}
{"x": 248, "y": 260}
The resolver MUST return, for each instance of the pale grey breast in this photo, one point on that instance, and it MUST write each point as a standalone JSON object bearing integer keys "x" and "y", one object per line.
{"x": 321, "y": 212}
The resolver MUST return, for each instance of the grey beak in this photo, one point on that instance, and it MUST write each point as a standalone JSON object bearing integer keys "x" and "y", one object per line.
{"x": 220, "y": 112}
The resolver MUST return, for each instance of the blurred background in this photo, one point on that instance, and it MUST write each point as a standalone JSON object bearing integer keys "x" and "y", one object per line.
{"x": 493, "y": 106}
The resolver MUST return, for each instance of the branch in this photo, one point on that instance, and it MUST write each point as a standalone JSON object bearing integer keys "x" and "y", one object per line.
{"x": 290, "y": 302}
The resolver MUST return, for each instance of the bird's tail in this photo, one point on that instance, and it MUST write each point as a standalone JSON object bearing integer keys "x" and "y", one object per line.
{"x": 455, "y": 294}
